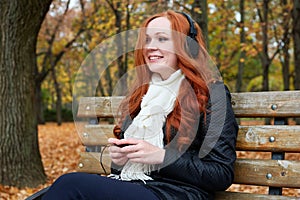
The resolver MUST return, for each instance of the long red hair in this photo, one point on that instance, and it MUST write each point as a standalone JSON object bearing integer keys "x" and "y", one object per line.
{"x": 196, "y": 72}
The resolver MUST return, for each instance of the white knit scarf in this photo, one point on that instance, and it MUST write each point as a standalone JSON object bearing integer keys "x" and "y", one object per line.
{"x": 157, "y": 103}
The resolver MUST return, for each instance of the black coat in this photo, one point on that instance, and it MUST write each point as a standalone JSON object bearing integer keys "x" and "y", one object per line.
{"x": 196, "y": 174}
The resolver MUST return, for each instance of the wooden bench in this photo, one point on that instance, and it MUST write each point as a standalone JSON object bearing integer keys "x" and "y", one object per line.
{"x": 279, "y": 139}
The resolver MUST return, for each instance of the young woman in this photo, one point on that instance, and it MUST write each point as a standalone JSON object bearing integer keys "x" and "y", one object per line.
{"x": 177, "y": 131}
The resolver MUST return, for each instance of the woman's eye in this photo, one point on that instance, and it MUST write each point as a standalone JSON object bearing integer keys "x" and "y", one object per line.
{"x": 148, "y": 40}
{"x": 163, "y": 39}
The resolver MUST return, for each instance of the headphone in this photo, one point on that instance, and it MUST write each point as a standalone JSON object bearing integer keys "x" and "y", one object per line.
{"x": 192, "y": 46}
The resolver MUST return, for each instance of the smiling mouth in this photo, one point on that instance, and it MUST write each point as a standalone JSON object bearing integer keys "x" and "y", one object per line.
{"x": 154, "y": 58}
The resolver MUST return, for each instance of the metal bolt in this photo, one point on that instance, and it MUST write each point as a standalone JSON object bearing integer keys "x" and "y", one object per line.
{"x": 274, "y": 106}
{"x": 85, "y": 134}
{"x": 269, "y": 175}
{"x": 80, "y": 165}
{"x": 272, "y": 139}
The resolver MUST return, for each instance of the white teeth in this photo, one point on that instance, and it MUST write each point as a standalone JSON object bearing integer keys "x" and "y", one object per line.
{"x": 154, "y": 57}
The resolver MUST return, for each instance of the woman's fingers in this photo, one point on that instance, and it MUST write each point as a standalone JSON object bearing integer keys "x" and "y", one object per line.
{"x": 138, "y": 151}
{"x": 117, "y": 156}
{"x": 122, "y": 142}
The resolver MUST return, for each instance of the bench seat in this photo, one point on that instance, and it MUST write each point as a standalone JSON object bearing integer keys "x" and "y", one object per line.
{"x": 277, "y": 138}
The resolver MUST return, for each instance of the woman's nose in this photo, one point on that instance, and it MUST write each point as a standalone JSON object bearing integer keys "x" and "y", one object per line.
{"x": 152, "y": 45}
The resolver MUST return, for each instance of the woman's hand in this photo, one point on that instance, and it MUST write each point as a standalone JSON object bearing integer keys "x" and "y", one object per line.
{"x": 117, "y": 156}
{"x": 138, "y": 151}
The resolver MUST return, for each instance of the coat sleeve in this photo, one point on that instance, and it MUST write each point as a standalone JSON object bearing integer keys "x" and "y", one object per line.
{"x": 212, "y": 167}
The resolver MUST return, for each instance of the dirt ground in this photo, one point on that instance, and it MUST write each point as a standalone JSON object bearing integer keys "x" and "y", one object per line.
{"x": 60, "y": 148}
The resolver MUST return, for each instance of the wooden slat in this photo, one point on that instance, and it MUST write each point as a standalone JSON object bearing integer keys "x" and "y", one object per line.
{"x": 246, "y": 104}
{"x": 269, "y": 138}
{"x": 247, "y": 171}
{"x": 249, "y": 196}
{"x": 259, "y": 104}
{"x": 250, "y": 138}
{"x": 285, "y": 173}
{"x": 93, "y": 135}
{"x": 90, "y": 163}
{"x": 98, "y": 106}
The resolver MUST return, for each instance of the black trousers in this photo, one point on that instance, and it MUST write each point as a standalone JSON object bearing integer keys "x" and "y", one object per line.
{"x": 93, "y": 187}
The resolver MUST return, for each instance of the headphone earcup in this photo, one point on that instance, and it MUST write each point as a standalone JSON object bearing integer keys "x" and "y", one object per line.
{"x": 192, "y": 47}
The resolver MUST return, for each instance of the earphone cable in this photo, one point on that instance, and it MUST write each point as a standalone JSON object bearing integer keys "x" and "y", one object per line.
{"x": 101, "y": 159}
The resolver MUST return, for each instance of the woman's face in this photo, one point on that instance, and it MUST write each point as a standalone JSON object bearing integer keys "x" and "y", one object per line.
{"x": 159, "y": 51}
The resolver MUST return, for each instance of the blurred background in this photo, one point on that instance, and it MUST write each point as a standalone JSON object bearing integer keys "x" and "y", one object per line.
{"x": 252, "y": 43}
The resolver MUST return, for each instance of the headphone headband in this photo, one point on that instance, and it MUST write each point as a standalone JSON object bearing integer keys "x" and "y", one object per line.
{"x": 191, "y": 41}
{"x": 193, "y": 31}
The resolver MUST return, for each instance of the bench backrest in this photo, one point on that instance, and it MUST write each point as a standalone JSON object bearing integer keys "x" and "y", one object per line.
{"x": 279, "y": 138}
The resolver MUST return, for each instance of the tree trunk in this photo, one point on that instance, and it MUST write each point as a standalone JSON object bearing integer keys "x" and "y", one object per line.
{"x": 20, "y": 159}
{"x": 285, "y": 60}
{"x": 266, "y": 60}
{"x": 58, "y": 102}
{"x": 39, "y": 77}
{"x": 201, "y": 18}
{"x": 265, "y": 56}
{"x": 119, "y": 43}
{"x": 108, "y": 76}
{"x": 120, "y": 50}
{"x": 296, "y": 38}
{"x": 243, "y": 53}
{"x": 39, "y": 103}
